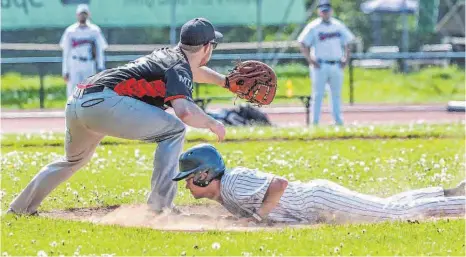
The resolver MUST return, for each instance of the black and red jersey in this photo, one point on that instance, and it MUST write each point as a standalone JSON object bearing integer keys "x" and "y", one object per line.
{"x": 156, "y": 78}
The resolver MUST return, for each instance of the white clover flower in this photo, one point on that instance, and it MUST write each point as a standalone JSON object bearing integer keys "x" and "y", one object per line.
{"x": 41, "y": 253}
{"x": 216, "y": 246}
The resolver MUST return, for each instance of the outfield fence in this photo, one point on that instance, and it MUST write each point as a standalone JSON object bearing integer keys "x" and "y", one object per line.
{"x": 266, "y": 57}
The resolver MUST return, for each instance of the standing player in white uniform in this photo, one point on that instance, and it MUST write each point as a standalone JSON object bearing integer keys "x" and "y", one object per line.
{"x": 83, "y": 50}
{"x": 324, "y": 44}
{"x": 257, "y": 196}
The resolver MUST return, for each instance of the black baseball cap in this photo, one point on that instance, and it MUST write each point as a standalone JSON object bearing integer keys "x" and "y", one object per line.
{"x": 198, "y": 31}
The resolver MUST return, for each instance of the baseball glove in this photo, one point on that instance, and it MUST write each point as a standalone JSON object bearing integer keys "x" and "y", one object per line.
{"x": 253, "y": 81}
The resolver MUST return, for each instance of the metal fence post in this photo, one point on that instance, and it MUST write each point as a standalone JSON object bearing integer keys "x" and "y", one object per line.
{"x": 351, "y": 82}
{"x": 41, "y": 88}
{"x": 173, "y": 23}
{"x": 259, "y": 25}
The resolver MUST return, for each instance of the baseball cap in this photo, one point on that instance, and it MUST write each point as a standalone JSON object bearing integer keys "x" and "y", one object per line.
{"x": 324, "y": 5}
{"x": 82, "y": 8}
{"x": 198, "y": 31}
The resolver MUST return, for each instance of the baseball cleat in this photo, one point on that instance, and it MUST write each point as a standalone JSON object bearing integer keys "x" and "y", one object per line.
{"x": 459, "y": 190}
{"x": 11, "y": 211}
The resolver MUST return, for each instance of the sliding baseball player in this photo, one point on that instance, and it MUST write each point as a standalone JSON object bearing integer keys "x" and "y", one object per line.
{"x": 256, "y": 196}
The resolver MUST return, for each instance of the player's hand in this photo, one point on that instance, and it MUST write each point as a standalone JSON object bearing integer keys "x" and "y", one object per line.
{"x": 315, "y": 64}
{"x": 343, "y": 64}
{"x": 219, "y": 129}
{"x": 66, "y": 77}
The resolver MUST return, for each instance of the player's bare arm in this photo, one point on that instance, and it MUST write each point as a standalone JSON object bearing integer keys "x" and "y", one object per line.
{"x": 347, "y": 56}
{"x": 205, "y": 74}
{"x": 194, "y": 116}
{"x": 272, "y": 196}
{"x": 306, "y": 52}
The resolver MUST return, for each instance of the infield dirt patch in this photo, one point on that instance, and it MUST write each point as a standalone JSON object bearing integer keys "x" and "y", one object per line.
{"x": 194, "y": 218}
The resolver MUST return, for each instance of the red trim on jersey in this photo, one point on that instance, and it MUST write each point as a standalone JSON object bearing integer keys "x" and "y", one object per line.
{"x": 84, "y": 86}
{"x": 173, "y": 98}
{"x": 140, "y": 88}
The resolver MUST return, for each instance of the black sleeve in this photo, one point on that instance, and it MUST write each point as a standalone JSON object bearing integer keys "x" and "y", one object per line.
{"x": 179, "y": 83}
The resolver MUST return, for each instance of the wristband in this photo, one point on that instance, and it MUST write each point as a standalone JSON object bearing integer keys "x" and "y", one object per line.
{"x": 227, "y": 82}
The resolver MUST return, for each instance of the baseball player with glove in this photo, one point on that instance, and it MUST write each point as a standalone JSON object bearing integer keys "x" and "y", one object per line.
{"x": 328, "y": 39}
{"x": 83, "y": 50}
{"x": 255, "y": 196}
{"x": 129, "y": 102}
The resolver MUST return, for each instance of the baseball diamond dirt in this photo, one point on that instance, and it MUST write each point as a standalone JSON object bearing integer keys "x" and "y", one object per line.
{"x": 36, "y": 121}
{"x": 194, "y": 218}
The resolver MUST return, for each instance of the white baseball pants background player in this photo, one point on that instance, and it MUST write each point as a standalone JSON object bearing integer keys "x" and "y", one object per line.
{"x": 330, "y": 74}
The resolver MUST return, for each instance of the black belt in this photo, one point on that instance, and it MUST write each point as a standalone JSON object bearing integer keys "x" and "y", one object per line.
{"x": 82, "y": 59}
{"x": 328, "y": 62}
{"x": 80, "y": 92}
{"x": 91, "y": 90}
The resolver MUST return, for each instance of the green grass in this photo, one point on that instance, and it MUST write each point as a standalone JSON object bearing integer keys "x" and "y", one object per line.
{"x": 31, "y": 235}
{"x": 268, "y": 133}
{"x": 120, "y": 173}
{"x": 431, "y": 85}
{"x": 393, "y": 165}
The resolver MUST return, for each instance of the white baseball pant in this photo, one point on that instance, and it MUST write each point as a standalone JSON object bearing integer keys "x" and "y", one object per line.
{"x": 79, "y": 71}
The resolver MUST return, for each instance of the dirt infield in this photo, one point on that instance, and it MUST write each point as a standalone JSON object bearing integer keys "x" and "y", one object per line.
{"x": 194, "y": 218}
{"x": 280, "y": 116}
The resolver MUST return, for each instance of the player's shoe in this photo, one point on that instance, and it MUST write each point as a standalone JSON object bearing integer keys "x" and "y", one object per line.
{"x": 174, "y": 210}
{"x": 459, "y": 190}
{"x": 12, "y": 212}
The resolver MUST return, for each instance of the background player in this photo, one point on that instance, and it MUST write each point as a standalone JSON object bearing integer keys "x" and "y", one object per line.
{"x": 328, "y": 38}
{"x": 257, "y": 196}
{"x": 83, "y": 50}
{"x": 129, "y": 102}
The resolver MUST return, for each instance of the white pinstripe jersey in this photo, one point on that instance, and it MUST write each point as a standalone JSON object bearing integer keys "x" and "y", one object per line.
{"x": 243, "y": 191}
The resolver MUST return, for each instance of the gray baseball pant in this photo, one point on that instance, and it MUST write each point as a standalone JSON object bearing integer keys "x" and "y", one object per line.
{"x": 91, "y": 117}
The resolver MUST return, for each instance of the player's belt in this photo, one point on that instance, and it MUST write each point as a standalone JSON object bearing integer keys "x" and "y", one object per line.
{"x": 80, "y": 58}
{"x": 328, "y": 62}
{"x": 87, "y": 89}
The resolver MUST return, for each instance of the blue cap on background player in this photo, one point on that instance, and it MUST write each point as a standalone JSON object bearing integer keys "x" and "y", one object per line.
{"x": 198, "y": 31}
{"x": 324, "y": 5}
